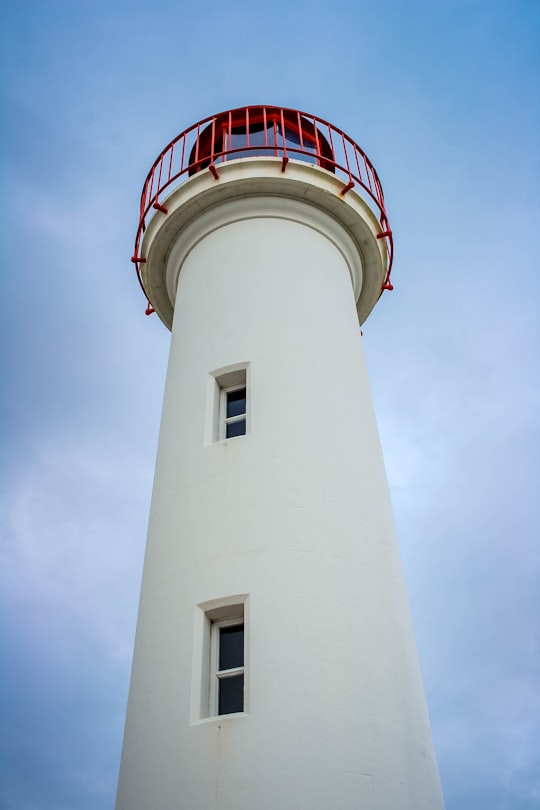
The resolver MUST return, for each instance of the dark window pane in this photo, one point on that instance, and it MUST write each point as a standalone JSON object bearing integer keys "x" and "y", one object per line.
{"x": 236, "y": 402}
{"x": 292, "y": 139}
{"x": 236, "y": 428}
{"x": 231, "y": 647}
{"x": 231, "y": 694}
{"x": 238, "y": 140}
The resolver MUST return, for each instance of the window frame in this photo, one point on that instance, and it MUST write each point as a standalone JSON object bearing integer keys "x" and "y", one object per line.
{"x": 220, "y": 383}
{"x": 225, "y": 420}
{"x": 216, "y": 674}
{"x": 226, "y": 610}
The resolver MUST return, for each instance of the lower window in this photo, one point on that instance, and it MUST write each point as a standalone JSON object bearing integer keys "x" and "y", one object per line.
{"x": 220, "y": 663}
{"x": 227, "y": 666}
{"x": 233, "y": 408}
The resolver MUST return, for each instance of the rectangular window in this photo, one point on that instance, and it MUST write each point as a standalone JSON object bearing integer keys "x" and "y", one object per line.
{"x": 220, "y": 663}
{"x": 228, "y": 404}
{"x": 234, "y": 411}
{"x": 227, "y": 666}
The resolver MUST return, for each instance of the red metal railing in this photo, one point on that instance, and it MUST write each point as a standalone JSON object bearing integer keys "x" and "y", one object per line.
{"x": 262, "y": 131}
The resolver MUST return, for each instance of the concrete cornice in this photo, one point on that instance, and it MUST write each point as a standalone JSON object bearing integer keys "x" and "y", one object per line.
{"x": 253, "y": 188}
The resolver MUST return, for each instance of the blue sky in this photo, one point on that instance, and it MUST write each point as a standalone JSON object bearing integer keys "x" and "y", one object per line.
{"x": 443, "y": 96}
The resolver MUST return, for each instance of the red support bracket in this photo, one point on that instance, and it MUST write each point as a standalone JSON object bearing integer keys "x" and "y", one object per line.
{"x": 149, "y": 309}
{"x": 160, "y": 207}
{"x": 346, "y": 188}
{"x": 384, "y": 234}
{"x": 284, "y": 163}
{"x": 213, "y": 171}
{"x": 136, "y": 259}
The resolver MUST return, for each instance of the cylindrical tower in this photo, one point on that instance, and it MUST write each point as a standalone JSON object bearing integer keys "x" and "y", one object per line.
{"x": 275, "y": 666}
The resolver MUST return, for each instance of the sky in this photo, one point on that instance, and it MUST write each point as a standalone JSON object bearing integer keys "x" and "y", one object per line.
{"x": 443, "y": 95}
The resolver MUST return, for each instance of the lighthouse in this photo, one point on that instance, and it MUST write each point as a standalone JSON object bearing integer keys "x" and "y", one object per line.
{"x": 275, "y": 666}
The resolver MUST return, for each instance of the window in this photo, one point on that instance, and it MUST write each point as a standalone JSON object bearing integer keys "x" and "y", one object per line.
{"x": 220, "y": 679}
{"x": 254, "y": 131}
{"x": 233, "y": 409}
{"x": 227, "y": 667}
{"x": 228, "y": 404}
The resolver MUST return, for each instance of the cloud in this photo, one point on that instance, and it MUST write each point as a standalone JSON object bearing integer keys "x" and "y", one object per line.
{"x": 73, "y": 538}
{"x": 453, "y": 354}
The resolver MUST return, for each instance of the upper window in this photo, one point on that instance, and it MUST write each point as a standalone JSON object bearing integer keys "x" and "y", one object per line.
{"x": 228, "y": 404}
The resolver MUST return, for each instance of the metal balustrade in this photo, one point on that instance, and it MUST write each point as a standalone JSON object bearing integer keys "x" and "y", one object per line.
{"x": 262, "y": 131}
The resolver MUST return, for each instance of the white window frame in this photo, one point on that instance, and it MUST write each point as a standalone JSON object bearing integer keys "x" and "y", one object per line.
{"x": 221, "y": 382}
{"x": 215, "y": 673}
{"x": 225, "y": 420}
{"x": 208, "y": 617}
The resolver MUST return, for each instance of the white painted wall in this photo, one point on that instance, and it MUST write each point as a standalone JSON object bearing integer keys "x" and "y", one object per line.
{"x": 297, "y": 515}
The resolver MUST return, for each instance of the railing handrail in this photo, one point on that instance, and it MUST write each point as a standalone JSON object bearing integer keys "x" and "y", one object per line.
{"x": 329, "y": 147}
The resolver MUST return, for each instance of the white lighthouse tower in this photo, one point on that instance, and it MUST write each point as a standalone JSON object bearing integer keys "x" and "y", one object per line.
{"x": 275, "y": 666}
